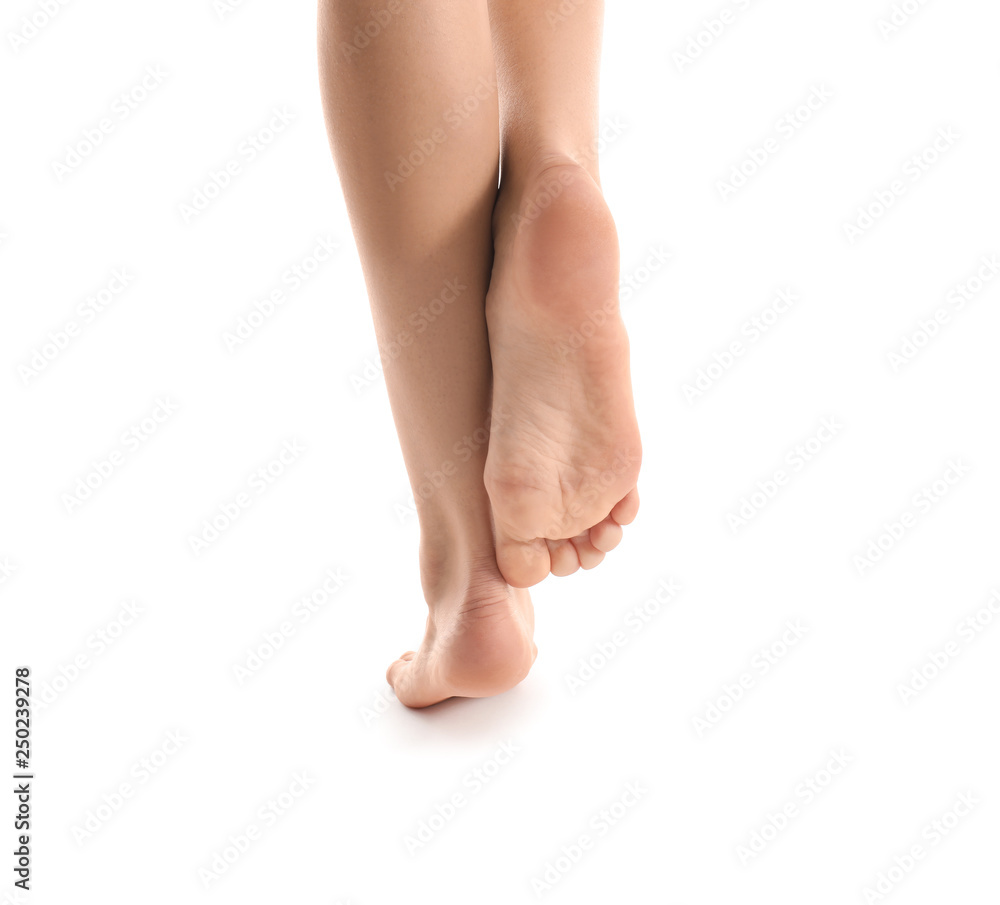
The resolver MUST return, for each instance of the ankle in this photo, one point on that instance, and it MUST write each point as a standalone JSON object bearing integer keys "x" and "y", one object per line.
{"x": 456, "y": 553}
{"x": 454, "y": 579}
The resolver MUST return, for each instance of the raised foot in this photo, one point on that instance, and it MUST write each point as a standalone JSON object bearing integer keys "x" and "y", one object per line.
{"x": 564, "y": 449}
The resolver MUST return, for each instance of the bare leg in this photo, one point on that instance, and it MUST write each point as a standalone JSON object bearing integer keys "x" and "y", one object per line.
{"x": 423, "y": 233}
{"x": 562, "y": 468}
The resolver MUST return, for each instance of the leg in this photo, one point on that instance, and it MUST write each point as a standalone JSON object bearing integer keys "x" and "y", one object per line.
{"x": 423, "y": 234}
{"x": 562, "y": 469}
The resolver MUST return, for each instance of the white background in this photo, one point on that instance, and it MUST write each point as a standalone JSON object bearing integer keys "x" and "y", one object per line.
{"x": 320, "y": 705}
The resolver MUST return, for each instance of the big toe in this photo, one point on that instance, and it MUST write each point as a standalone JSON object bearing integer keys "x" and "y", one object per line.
{"x": 396, "y": 670}
{"x": 521, "y": 563}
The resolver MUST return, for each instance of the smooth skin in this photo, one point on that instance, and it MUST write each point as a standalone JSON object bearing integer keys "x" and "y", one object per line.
{"x": 528, "y": 344}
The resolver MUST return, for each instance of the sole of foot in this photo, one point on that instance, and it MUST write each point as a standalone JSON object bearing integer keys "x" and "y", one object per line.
{"x": 564, "y": 449}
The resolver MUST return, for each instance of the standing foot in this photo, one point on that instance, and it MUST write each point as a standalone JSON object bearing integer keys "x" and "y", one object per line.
{"x": 478, "y": 641}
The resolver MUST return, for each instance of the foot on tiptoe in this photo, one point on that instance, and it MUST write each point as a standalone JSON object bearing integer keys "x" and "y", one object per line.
{"x": 478, "y": 640}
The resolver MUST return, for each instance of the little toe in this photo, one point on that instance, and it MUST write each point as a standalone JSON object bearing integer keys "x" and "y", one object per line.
{"x": 606, "y": 535}
{"x": 626, "y": 508}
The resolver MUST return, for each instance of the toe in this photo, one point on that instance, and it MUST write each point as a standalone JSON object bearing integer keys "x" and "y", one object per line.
{"x": 606, "y": 535}
{"x": 522, "y": 564}
{"x": 627, "y": 507}
{"x": 563, "y": 558}
{"x": 587, "y": 553}
{"x": 392, "y": 674}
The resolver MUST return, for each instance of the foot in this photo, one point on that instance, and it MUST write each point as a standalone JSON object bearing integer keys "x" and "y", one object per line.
{"x": 563, "y": 462}
{"x": 478, "y": 641}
